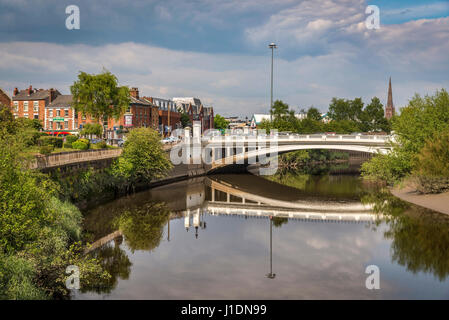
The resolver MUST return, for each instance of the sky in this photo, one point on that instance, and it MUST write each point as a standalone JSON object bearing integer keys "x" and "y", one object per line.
{"x": 218, "y": 50}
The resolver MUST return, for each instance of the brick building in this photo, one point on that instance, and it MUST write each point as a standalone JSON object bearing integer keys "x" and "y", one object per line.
{"x": 31, "y": 103}
{"x": 196, "y": 111}
{"x": 59, "y": 115}
{"x": 169, "y": 116}
{"x": 5, "y": 99}
{"x": 140, "y": 113}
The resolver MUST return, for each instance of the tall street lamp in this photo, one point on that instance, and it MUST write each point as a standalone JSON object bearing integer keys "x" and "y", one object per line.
{"x": 272, "y": 46}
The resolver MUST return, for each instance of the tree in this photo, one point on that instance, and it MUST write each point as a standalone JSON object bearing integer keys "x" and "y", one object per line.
{"x": 220, "y": 122}
{"x": 279, "y": 109}
{"x": 432, "y": 164}
{"x": 343, "y": 109}
{"x": 314, "y": 114}
{"x": 421, "y": 121}
{"x": 372, "y": 117}
{"x": 143, "y": 158}
{"x": 185, "y": 119}
{"x": 99, "y": 96}
{"x": 92, "y": 129}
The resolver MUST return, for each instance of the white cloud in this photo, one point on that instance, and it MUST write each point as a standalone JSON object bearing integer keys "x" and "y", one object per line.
{"x": 340, "y": 57}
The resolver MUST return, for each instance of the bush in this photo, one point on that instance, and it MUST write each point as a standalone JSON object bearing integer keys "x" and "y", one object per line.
{"x": 86, "y": 141}
{"x": 68, "y": 145}
{"x": 99, "y": 145}
{"x": 16, "y": 279}
{"x": 432, "y": 164}
{"x": 51, "y": 141}
{"x": 143, "y": 158}
{"x": 80, "y": 145}
{"x": 46, "y": 149}
{"x": 71, "y": 138}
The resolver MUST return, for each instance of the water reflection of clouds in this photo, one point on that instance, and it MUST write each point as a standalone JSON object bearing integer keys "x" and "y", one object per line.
{"x": 230, "y": 259}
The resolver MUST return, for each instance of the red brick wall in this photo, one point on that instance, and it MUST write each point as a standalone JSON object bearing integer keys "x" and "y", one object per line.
{"x": 4, "y": 99}
{"x": 21, "y": 113}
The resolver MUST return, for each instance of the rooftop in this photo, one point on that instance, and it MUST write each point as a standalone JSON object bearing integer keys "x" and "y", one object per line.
{"x": 61, "y": 101}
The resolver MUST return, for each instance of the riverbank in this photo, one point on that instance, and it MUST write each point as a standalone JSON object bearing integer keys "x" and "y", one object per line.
{"x": 437, "y": 202}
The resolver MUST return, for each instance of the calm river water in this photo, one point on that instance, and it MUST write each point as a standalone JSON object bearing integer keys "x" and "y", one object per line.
{"x": 209, "y": 238}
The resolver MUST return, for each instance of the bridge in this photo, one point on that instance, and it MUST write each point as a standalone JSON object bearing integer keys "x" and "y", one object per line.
{"x": 252, "y": 147}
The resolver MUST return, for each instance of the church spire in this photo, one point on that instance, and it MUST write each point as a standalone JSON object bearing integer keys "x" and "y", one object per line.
{"x": 389, "y": 110}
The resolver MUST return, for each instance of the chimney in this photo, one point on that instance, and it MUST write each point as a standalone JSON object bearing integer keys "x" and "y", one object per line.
{"x": 52, "y": 95}
{"x": 134, "y": 92}
{"x": 16, "y": 91}
{"x": 30, "y": 90}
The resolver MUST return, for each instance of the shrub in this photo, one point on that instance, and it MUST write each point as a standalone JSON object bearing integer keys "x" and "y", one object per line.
{"x": 71, "y": 138}
{"x": 99, "y": 145}
{"x": 68, "y": 145}
{"x": 432, "y": 164}
{"x": 143, "y": 158}
{"x": 46, "y": 149}
{"x": 86, "y": 141}
{"x": 80, "y": 145}
{"x": 51, "y": 141}
{"x": 16, "y": 279}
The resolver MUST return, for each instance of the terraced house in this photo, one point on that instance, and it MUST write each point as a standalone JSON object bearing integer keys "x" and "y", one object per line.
{"x": 5, "y": 99}
{"x": 31, "y": 103}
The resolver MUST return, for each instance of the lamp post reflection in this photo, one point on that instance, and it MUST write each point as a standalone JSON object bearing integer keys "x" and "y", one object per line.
{"x": 271, "y": 275}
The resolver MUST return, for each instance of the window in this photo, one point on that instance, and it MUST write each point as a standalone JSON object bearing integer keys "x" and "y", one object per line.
{"x": 25, "y": 106}
{"x": 66, "y": 112}
{"x": 36, "y": 106}
{"x": 16, "y": 106}
{"x": 51, "y": 125}
{"x": 58, "y": 125}
{"x": 50, "y": 113}
{"x": 58, "y": 113}
{"x": 36, "y": 116}
{"x": 66, "y": 124}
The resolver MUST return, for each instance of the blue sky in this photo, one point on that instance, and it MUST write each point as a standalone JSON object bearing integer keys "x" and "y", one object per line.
{"x": 217, "y": 50}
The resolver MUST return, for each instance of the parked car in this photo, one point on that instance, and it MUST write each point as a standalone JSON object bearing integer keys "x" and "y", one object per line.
{"x": 93, "y": 141}
{"x": 167, "y": 140}
{"x": 120, "y": 142}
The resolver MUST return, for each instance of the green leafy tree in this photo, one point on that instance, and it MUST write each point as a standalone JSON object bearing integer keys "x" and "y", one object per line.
{"x": 90, "y": 129}
{"x": 185, "y": 120}
{"x": 421, "y": 121}
{"x": 220, "y": 122}
{"x": 100, "y": 96}
{"x": 143, "y": 158}
{"x": 372, "y": 117}
{"x": 343, "y": 109}
{"x": 279, "y": 109}
{"x": 314, "y": 114}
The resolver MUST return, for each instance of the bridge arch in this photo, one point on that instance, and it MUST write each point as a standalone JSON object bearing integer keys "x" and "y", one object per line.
{"x": 243, "y": 157}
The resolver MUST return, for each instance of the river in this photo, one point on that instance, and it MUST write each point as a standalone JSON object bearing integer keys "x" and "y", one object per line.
{"x": 288, "y": 236}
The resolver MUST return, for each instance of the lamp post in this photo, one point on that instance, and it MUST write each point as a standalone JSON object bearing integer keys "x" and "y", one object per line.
{"x": 272, "y": 46}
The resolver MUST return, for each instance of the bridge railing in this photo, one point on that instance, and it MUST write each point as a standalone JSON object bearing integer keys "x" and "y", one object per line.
{"x": 298, "y": 137}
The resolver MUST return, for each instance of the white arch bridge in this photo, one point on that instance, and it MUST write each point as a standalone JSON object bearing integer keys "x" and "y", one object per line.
{"x": 219, "y": 151}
